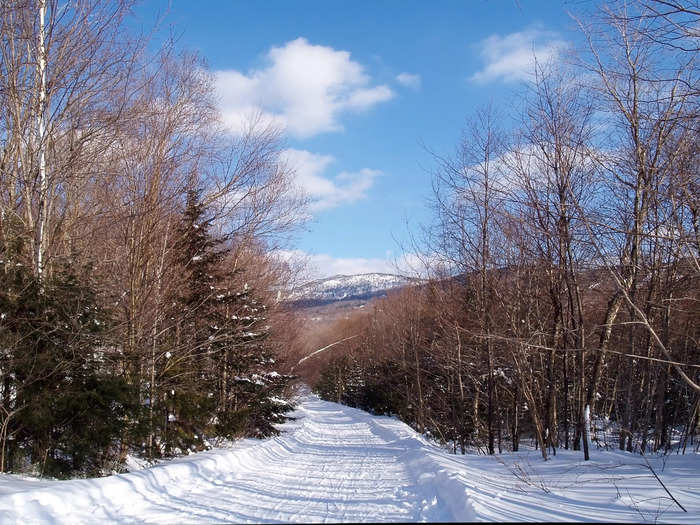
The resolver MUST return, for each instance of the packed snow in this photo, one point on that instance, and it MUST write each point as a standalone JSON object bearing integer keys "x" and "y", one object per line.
{"x": 339, "y": 464}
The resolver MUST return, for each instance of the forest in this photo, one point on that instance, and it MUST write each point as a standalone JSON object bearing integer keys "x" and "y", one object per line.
{"x": 138, "y": 301}
{"x": 564, "y": 255}
{"x": 141, "y": 301}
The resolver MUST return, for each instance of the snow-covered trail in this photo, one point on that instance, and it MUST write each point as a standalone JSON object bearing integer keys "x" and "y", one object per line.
{"x": 332, "y": 464}
{"x": 338, "y": 464}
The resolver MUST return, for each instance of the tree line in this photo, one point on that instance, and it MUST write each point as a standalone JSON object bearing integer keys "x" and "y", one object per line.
{"x": 565, "y": 253}
{"x": 137, "y": 305}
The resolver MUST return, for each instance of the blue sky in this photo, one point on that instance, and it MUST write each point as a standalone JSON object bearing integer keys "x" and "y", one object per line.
{"x": 362, "y": 89}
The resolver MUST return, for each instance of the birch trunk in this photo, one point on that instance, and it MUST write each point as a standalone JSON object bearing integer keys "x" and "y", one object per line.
{"x": 41, "y": 144}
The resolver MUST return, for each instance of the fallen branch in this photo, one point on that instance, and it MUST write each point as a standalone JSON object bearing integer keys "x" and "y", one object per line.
{"x": 324, "y": 348}
{"x": 651, "y": 469}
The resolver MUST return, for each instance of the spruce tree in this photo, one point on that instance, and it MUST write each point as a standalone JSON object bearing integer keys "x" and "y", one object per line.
{"x": 222, "y": 382}
{"x": 63, "y": 405}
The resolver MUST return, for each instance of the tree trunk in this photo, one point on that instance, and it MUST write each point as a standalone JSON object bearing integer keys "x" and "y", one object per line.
{"x": 41, "y": 145}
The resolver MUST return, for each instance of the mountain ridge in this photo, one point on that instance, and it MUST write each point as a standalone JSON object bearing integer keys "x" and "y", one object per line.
{"x": 348, "y": 287}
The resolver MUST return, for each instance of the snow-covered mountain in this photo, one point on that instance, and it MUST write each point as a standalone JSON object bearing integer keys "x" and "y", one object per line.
{"x": 346, "y": 287}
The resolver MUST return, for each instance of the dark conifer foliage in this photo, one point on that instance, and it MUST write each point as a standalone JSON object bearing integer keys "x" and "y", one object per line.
{"x": 63, "y": 403}
{"x": 218, "y": 374}
{"x": 70, "y": 402}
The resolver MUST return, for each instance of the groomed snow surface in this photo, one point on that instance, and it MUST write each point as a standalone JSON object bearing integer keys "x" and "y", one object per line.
{"x": 339, "y": 464}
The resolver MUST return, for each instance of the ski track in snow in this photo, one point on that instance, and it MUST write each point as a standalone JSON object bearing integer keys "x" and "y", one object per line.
{"x": 338, "y": 464}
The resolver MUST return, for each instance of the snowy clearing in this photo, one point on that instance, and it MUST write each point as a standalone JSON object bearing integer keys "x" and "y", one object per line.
{"x": 335, "y": 464}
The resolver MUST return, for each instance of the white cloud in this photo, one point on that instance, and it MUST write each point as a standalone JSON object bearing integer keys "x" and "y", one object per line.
{"x": 303, "y": 88}
{"x": 323, "y": 265}
{"x": 345, "y": 188}
{"x": 511, "y": 57}
{"x": 409, "y": 80}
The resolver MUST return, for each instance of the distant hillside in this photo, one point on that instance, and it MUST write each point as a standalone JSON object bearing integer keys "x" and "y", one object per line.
{"x": 361, "y": 287}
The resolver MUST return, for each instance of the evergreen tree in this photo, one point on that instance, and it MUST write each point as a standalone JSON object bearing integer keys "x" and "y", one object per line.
{"x": 63, "y": 407}
{"x": 218, "y": 381}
